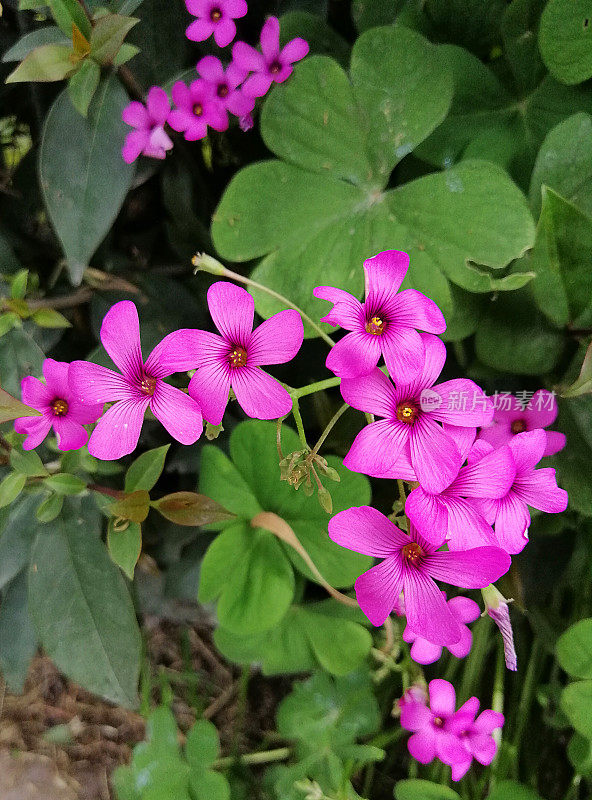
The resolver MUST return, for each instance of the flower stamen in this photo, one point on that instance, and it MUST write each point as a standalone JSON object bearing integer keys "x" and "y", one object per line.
{"x": 215, "y": 14}
{"x": 412, "y": 553}
{"x": 376, "y": 326}
{"x": 237, "y": 357}
{"x": 275, "y": 67}
{"x": 198, "y": 109}
{"x": 59, "y": 407}
{"x": 518, "y": 426}
{"x": 222, "y": 90}
{"x": 407, "y": 412}
{"x": 148, "y": 385}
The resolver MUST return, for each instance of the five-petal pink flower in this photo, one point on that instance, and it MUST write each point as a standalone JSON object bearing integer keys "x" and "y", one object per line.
{"x": 425, "y": 652}
{"x": 197, "y": 106}
{"x": 214, "y": 17}
{"x": 225, "y": 85}
{"x": 411, "y": 414}
{"x": 233, "y": 359}
{"x": 387, "y": 322}
{"x": 511, "y": 418}
{"x": 60, "y": 409}
{"x": 138, "y": 387}
{"x": 412, "y": 565}
{"x": 149, "y": 137}
{"x": 273, "y": 64}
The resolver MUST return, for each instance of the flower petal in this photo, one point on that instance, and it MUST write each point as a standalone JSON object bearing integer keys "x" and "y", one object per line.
{"x": 414, "y": 310}
{"x": 434, "y": 455}
{"x": 120, "y": 334}
{"x": 442, "y": 698}
{"x": 270, "y": 38}
{"x": 257, "y": 84}
{"x": 347, "y": 311}
{"x": 491, "y": 476}
{"x": 415, "y": 716}
{"x": 471, "y": 569}
{"x": 199, "y": 30}
{"x": 180, "y": 414}
{"x": 210, "y": 68}
{"x": 35, "y": 394}
{"x": 210, "y": 387}
{"x": 404, "y": 353}
{"x": 232, "y": 309}
{"x": 373, "y": 393}
{"x": 540, "y": 491}
{"x": 355, "y": 355}
{"x": 365, "y": 530}
{"x": 135, "y": 114}
{"x": 528, "y": 449}
{"x": 93, "y": 384}
{"x": 422, "y": 745}
{"x": 450, "y": 749}
{"x": 483, "y": 748}
{"x": 378, "y": 589}
{"x": 56, "y": 377}
{"x": 247, "y": 58}
{"x": 158, "y": 104}
{"x": 488, "y": 721}
{"x": 462, "y": 403}
{"x": 294, "y": 50}
{"x": 462, "y": 648}
{"x": 70, "y": 434}
{"x": 512, "y": 521}
{"x": 555, "y": 443}
{"x": 384, "y": 275}
{"x": 424, "y": 652}
{"x": 276, "y": 340}
{"x": 376, "y": 448}
{"x": 429, "y": 514}
{"x": 426, "y": 610}
{"x": 118, "y": 430}
{"x": 259, "y": 395}
{"x": 36, "y": 429}
{"x": 224, "y": 32}
{"x": 541, "y": 410}
{"x": 464, "y": 609}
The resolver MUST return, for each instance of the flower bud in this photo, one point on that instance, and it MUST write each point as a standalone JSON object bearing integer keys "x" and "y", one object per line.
{"x": 205, "y": 263}
{"x": 497, "y": 608}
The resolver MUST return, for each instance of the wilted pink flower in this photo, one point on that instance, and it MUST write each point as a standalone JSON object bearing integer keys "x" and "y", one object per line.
{"x": 224, "y": 85}
{"x": 411, "y": 413}
{"x": 455, "y": 737}
{"x": 234, "y": 359}
{"x": 197, "y": 107}
{"x": 511, "y": 418}
{"x": 272, "y": 65}
{"x": 498, "y": 609}
{"x": 138, "y": 388}
{"x": 531, "y": 487}
{"x": 60, "y": 409}
{"x": 386, "y": 322}
{"x": 214, "y": 17}
{"x": 489, "y": 476}
{"x": 425, "y": 652}
{"x": 411, "y": 565}
{"x": 149, "y": 138}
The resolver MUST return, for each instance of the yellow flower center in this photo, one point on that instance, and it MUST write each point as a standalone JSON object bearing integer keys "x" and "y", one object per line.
{"x": 375, "y": 326}
{"x": 198, "y": 109}
{"x": 59, "y": 407}
{"x": 412, "y": 553}
{"x": 237, "y": 357}
{"x": 407, "y": 412}
{"x": 215, "y": 15}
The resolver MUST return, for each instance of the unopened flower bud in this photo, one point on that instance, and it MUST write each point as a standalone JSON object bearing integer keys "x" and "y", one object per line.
{"x": 205, "y": 263}
{"x": 497, "y": 608}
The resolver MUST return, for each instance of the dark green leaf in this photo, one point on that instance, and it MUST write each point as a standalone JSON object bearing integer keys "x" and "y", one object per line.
{"x": 574, "y": 649}
{"x": 107, "y": 36}
{"x": 371, "y": 13}
{"x": 68, "y": 12}
{"x": 19, "y": 356}
{"x": 27, "y": 462}
{"x": 146, "y": 469}
{"x": 50, "y": 508}
{"x": 161, "y": 39}
{"x": 50, "y": 62}
{"x": 81, "y": 89}
{"x": 63, "y": 483}
{"x": 34, "y": 39}
{"x": 520, "y": 32}
{"x": 124, "y": 542}
{"x": 423, "y": 790}
{"x": 565, "y": 39}
{"x": 18, "y": 640}
{"x": 510, "y": 790}
{"x": 321, "y": 37}
{"x": 203, "y": 745}
{"x": 16, "y": 538}
{"x": 10, "y": 487}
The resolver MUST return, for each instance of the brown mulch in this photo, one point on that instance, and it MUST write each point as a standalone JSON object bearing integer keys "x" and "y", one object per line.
{"x": 74, "y": 740}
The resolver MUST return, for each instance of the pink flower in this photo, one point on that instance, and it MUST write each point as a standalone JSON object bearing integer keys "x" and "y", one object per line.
{"x": 489, "y": 476}
{"x": 425, "y": 652}
{"x": 531, "y": 487}
{"x": 498, "y": 609}
{"x": 224, "y": 85}
{"x": 233, "y": 360}
{"x": 214, "y": 17}
{"x": 511, "y": 418}
{"x": 455, "y": 737}
{"x": 197, "y": 107}
{"x": 410, "y": 415}
{"x": 60, "y": 409}
{"x": 272, "y": 65}
{"x": 411, "y": 565}
{"x": 386, "y": 322}
{"x": 139, "y": 387}
{"x": 149, "y": 138}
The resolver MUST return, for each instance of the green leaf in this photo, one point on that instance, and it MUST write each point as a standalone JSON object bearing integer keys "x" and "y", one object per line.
{"x": 11, "y": 408}
{"x": 64, "y": 483}
{"x": 50, "y": 62}
{"x": 202, "y": 747}
{"x": 565, "y": 39}
{"x": 10, "y": 487}
{"x": 370, "y": 13}
{"x": 49, "y": 509}
{"x": 16, "y": 538}
{"x": 564, "y": 164}
{"x": 189, "y": 508}
{"x": 48, "y": 317}
{"x": 144, "y": 472}
{"x": 18, "y": 640}
{"x": 515, "y": 337}
{"x": 19, "y": 356}
{"x": 574, "y": 649}
{"x": 161, "y": 39}
{"x": 317, "y": 634}
{"x": 423, "y": 790}
{"x": 124, "y": 543}
{"x": 134, "y": 506}
{"x": 83, "y": 177}
{"x": 69, "y": 12}
{"x": 82, "y": 610}
{"x": 107, "y": 36}
{"x": 126, "y": 52}
{"x": 561, "y": 260}
{"x": 247, "y": 571}
{"x": 321, "y": 37}
{"x": 579, "y": 752}
{"x": 583, "y": 383}
{"x": 27, "y": 462}
{"x": 81, "y": 89}
{"x": 33, "y": 40}
{"x": 510, "y": 790}
{"x": 8, "y": 321}
{"x": 209, "y": 785}
{"x": 573, "y": 461}
{"x": 519, "y": 32}
{"x": 18, "y": 284}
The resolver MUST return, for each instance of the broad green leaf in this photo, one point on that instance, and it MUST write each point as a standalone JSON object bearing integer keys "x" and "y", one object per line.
{"x": 49, "y": 509}
{"x": 10, "y": 487}
{"x": 82, "y": 610}
{"x": 146, "y": 469}
{"x": 64, "y": 483}
{"x": 189, "y": 508}
{"x": 574, "y": 649}
{"x": 519, "y": 32}
{"x": 69, "y": 12}
{"x": 317, "y": 634}
{"x": 33, "y": 40}
{"x": 107, "y": 36}
{"x": 16, "y": 538}
{"x": 18, "y": 640}
{"x": 370, "y": 13}
{"x": 134, "y": 506}
{"x": 8, "y": 321}
{"x": 19, "y": 356}
{"x": 470, "y": 23}
{"x": 573, "y": 461}
{"x": 50, "y": 62}
{"x": 11, "y": 408}
{"x": 514, "y": 336}
{"x": 81, "y": 89}
{"x": 202, "y": 747}
{"x": 321, "y": 37}
{"x": 423, "y": 790}
{"x": 209, "y": 785}
{"x": 124, "y": 543}
{"x": 561, "y": 260}
{"x": 83, "y": 178}
{"x": 27, "y": 462}
{"x": 247, "y": 571}
{"x": 565, "y": 39}
{"x": 579, "y": 752}
{"x": 564, "y": 163}
{"x": 18, "y": 284}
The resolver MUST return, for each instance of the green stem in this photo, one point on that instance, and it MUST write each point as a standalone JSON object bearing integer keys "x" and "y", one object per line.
{"x": 402, "y": 496}
{"x": 497, "y": 704}
{"x": 264, "y": 757}
{"x": 475, "y": 663}
{"x": 312, "y": 388}
{"x": 298, "y": 420}
{"x": 528, "y": 688}
{"x": 330, "y": 425}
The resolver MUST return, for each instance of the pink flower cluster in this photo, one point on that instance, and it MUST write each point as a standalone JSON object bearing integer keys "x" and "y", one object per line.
{"x": 74, "y": 394}
{"x": 217, "y": 92}
{"x": 456, "y": 737}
